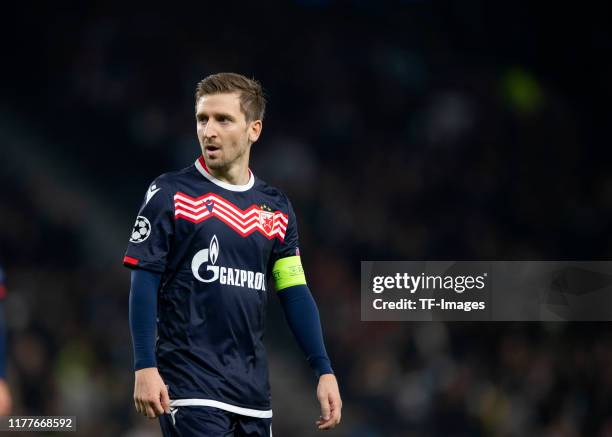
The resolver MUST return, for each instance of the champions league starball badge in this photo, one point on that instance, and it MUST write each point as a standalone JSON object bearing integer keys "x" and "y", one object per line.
{"x": 141, "y": 231}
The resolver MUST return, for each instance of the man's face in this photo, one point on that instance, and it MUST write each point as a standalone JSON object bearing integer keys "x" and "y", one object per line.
{"x": 223, "y": 132}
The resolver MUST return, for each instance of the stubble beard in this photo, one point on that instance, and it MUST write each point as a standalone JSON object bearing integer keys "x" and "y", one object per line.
{"x": 224, "y": 163}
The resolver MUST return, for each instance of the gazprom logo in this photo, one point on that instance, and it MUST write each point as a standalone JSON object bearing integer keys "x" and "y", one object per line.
{"x": 225, "y": 275}
{"x": 202, "y": 257}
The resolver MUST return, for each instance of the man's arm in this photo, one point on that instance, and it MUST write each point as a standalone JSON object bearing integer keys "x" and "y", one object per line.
{"x": 150, "y": 393}
{"x": 303, "y": 319}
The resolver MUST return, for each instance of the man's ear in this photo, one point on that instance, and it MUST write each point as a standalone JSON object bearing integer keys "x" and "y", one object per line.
{"x": 255, "y": 130}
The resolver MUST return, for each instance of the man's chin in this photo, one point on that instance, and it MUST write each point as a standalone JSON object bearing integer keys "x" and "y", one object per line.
{"x": 215, "y": 164}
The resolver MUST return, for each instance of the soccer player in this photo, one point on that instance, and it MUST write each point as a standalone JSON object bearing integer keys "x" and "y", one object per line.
{"x": 5, "y": 394}
{"x": 205, "y": 242}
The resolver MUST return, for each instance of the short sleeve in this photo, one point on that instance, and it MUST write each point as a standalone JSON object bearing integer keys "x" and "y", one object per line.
{"x": 286, "y": 263}
{"x": 289, "y": 245}
{"x": 151, "y": 235}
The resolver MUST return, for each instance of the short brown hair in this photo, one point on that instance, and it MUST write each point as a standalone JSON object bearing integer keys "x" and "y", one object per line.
{"x": 252, "y": 99}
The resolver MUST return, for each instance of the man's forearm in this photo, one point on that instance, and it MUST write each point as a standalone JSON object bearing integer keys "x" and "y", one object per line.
{"x": 143, "y": 317}
{"x": 303, "y": 318}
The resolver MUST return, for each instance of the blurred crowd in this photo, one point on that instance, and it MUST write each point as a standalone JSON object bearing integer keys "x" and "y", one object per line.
{"x": 400, "y": 130}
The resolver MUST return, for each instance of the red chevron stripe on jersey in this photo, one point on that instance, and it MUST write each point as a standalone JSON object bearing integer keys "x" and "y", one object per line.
{"x": 196, "y": 210}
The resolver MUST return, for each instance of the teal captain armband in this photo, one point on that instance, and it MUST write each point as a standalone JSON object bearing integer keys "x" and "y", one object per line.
{"x": 288, "y": 272}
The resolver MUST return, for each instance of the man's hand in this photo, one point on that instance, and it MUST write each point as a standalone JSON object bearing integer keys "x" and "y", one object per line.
{"x": 5, "y": 398}
{"x": 150, "y": 393}
{"x": 331, "y": 404}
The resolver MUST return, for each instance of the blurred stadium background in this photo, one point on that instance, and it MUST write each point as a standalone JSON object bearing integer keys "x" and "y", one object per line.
{"x": 400, "y": 130}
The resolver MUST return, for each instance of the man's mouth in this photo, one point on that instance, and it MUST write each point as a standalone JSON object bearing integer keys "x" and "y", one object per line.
{"x": 211, "y": 149}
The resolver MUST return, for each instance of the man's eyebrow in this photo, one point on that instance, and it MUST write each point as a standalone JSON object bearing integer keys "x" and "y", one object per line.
{"x": 215, "y": 115}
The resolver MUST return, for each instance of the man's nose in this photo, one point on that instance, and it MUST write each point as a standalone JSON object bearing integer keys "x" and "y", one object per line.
{"x": 210, "y": 131}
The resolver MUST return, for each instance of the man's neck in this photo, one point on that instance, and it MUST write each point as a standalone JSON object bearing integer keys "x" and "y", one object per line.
{"x": 236, "y": 174}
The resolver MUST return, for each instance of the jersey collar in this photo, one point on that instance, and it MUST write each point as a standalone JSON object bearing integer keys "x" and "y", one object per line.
{"x": 201, "y": 166}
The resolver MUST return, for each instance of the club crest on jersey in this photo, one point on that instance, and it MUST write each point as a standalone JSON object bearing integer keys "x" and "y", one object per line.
{"x": 266, "y": 220}
{"x": 225, "y": 275}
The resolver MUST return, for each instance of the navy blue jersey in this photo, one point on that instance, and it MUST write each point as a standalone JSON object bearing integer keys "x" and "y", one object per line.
{"x": 214, "y": 244}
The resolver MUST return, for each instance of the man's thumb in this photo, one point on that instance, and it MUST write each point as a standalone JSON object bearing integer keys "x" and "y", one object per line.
{"x": 165, "y": 400}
